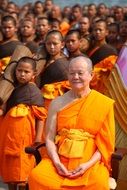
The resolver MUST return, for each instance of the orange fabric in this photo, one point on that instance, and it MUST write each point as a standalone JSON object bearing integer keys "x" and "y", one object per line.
{"x": 51, "y": 91}
{"x": 4, "y": 62}
{"x": 98, "y": 126}
{"x": 64, "y": 27}
{"x": 17, "y": 130}
{"x": 101, "y": 72}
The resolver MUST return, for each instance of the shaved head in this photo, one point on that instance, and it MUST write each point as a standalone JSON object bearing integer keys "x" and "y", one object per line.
{"x": 83, "y": 59}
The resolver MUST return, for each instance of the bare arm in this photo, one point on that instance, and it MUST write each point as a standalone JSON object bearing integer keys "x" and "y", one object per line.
{"x": 50, "y": 138}
{"x": 39, "y": 130}
{"x": 51, "y": 133}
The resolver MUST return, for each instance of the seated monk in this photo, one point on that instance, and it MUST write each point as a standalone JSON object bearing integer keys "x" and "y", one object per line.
{"x": 102, "y": 55}
{"x": 79, "y": 139}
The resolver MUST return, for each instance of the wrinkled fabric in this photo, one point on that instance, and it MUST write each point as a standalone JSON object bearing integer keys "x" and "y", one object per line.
{"x": 103, "y": 59}
{"x": 72, "y": 140}
{"x": 90, "y": 118}
{"x": 51, "y": 91}
{"x": 17, "y": 130}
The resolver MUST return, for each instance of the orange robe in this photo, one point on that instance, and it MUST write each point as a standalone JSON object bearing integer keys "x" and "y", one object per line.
{"x": 51, "y": 91}
{"x": 83, "y": 127}
{"x": 64, "y": 27}
{"x": 6, "y": 51}
{"x": 17, "y": 130}
{"x": 54, "y": 81}
{"x": 103, "y": 59}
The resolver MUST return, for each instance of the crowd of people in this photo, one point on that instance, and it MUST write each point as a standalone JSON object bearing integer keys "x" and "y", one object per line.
{"x": 77, "y": 48}
{"x": 29, "y": 24}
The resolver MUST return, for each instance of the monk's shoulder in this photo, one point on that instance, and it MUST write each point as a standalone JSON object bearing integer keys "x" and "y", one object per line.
{"x": 60, "y": 102}
{"x": 103, "y": 99}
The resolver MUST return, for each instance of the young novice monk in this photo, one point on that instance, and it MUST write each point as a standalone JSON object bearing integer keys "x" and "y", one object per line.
{"x": 21, "y": 126}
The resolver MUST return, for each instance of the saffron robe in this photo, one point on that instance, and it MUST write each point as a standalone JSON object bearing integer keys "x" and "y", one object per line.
{"x": 84, "y": 126}
{"x": 6, "y": 51}
{"x": 103, "y": 59}
{"x": 54, "y": 80}
{"x": 17, "y": 130}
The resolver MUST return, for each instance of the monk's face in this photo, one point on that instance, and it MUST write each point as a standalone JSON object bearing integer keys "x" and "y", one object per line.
{"x": 42, "y": 27}
{"x": 24, "y": 73}
{"x": 72, "y": 43}
{"x": 100, "y": 31}
{"x": 8, "y": 29}
{"x": 27, "y": 29}
{"x": 54, "y": 44}
{"x": 78, "y": 74}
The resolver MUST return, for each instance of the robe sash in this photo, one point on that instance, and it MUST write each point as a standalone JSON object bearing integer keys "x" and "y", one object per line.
{"x": 73, "y": 142}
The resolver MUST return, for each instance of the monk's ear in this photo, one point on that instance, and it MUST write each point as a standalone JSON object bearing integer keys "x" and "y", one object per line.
{"x": 34, "y": 75}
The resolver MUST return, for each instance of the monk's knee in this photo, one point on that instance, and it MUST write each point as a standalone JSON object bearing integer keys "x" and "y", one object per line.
{"x": 101, "y": 181}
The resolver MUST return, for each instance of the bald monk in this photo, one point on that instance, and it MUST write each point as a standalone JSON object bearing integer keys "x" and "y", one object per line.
{"x": 103, "y": 55}
{"x": 79, "y": 137}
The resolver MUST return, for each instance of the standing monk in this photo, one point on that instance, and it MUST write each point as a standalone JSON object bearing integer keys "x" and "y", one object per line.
{"x": 102, "y": 55}
{"x": 10, "y": 40}
{"x": 22, "y": 125}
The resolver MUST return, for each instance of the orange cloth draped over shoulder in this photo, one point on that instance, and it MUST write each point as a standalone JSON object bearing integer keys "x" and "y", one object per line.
{"x": 17, "y": 130}
{"x": 103, "y": 59}
{"x": 81, "y": 130}
{"x": 52, "y": 90}
{"x": 101, "y": 72}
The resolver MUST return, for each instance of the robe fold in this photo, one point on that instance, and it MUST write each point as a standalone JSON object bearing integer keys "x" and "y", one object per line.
{"x": 83, "y": 126}
{"x": 103, "y": 59}
{"x": 54, "y": 80}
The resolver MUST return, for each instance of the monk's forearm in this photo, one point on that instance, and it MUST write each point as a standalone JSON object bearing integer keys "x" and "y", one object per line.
{"x": 39, "y": 130}
{"x": 95, "y": 158}
{"x": 52, "y": 151}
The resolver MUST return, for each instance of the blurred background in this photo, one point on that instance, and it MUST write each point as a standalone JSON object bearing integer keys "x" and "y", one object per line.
{"x": 63, "y": 3}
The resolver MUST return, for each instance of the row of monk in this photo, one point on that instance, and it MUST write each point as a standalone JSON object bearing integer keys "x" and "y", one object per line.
{"x": 70, "y": 63}
{"x": 79, "y": 139}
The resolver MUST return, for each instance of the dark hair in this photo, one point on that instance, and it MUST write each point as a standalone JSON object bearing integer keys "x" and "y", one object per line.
{"x": 29, "y": 60}
{"x": 43, "y": 18}
{"x": 52, "y": 20}
{"x": 26, "y": 20}
{"x": 102, "y": 4}
{"x": 101, "y": 21}
{"x": 92, "y": 4}
{"x": 37, "y": 2}
{"x": 8, "y": 18}
{"x": 77, "y": 6}
{"x": 57, "y": 32}
{"x": 74, "y": 31}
